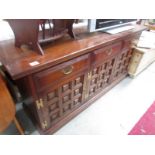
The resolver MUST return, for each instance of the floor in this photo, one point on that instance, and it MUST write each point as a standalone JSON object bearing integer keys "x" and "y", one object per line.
{"x": 115, "y": 113}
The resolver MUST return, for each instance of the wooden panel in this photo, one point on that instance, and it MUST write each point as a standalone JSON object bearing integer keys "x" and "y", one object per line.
{"x": 62, "y": 50}
{"x": 100, "y": 76}
{"x": 122, "y": 63}
{"x": 63, "y": 71}
{"x": 107, "y": 52}
{"x": 127, "y": 44}
{"x": 60, "y": 100}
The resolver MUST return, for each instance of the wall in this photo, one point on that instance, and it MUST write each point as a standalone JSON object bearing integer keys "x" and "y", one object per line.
{"x": 5, "y": 31}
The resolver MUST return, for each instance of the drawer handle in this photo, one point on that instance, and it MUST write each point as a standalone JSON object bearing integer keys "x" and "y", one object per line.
{"x": 67, "y": 70}
{"x": 109, "y": 52}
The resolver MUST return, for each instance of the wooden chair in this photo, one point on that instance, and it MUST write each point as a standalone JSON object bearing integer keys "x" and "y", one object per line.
{"x": 7, "y": 108}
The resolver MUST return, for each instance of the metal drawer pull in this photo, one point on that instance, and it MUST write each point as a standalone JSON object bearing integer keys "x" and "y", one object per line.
{"x": 109, "y": 52}
{"x": 67, "y": 70}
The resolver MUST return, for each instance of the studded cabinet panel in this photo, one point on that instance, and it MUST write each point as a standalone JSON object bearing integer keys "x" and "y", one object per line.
{"x": 122, "y": 63}
{"x": 109, "y": 70}
{"x": 61, "y": 100}
{"x": 60, "y": 93}
{"x": 100, "y": 76}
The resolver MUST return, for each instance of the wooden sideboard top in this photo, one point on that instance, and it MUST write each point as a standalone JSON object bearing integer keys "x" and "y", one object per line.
{"x": 17, "y": 61}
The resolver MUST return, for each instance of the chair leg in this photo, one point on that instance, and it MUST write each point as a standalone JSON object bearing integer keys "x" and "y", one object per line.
{"x": 18, "y": 126}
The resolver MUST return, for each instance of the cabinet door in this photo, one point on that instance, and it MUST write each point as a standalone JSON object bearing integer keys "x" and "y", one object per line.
{"x": 123, "y": 59}
{"x": 64, "y": 93}
{"x": 100, "y": 75}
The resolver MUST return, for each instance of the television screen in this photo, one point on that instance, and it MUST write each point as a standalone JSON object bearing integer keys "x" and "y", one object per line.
{"x": 103, "y": 24}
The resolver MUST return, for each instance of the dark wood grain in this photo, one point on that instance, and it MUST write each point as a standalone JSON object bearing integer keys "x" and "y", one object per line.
{"x": 54, "y": 74}
{"x": 16, "y": 61}
{"x": 7, "y": 108}
{"x": 74, "y": 113}
{"x": 27, "y": 31}
{"x": 71, "y": 74}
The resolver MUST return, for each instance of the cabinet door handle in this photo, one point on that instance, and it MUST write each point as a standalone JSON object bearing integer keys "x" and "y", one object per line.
{"x": 109, "y": 52}
{"x": 67, "y": 70}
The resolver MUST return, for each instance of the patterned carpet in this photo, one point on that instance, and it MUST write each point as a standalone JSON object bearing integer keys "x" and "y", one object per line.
{"x": 146, "y": 124}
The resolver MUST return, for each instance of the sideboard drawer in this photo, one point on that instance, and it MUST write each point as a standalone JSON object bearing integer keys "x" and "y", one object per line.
{"x": 127, "y": 44}
{"x": 107, "y": 52}
{"x": 61, "y": 72}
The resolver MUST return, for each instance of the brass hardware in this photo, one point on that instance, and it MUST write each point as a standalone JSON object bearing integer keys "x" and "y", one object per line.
{"x": 44, "y": 124}
{"x": 85, "y": 92}
{"x": 39, "y": 103}
{"x": 109, "y": 51}
{"x": 87, "y": 78}
{"x": 67, "y": 70}
{"x": 89, "y": 75}
{"x": 86, "y": 95}
{"x": 85, "y": 88}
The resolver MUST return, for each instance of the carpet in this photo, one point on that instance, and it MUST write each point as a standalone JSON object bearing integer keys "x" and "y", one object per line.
{"x": 146, "y": 124}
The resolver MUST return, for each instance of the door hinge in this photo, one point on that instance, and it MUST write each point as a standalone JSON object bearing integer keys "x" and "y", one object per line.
{"x": 86, "y": 93}
{"x": 89, "y": 75}
{"x": 39, "y": 103}
{"x": 44, "y": 124}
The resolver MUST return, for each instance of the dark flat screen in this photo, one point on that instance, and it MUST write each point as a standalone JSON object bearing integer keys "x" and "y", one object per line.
{"x": 100, "y": 23}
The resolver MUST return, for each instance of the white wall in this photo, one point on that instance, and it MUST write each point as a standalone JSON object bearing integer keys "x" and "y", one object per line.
{"x": 5, "y": 31}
